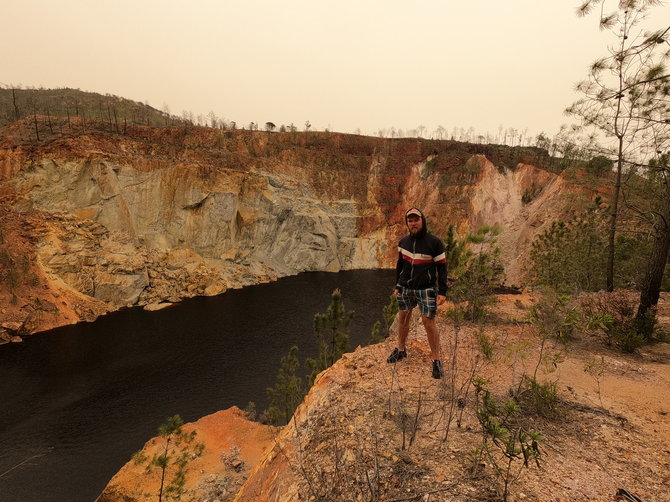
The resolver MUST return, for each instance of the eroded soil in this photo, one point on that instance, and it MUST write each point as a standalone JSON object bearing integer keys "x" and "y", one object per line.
{"x": 377, "y": 431}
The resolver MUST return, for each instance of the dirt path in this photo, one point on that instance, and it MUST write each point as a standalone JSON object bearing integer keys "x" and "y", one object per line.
{"x": 634, "y": 386}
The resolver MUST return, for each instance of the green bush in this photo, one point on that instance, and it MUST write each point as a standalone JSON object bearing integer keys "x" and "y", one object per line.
{"x": 376, "y": 333}
{"x": 537, "y": 398}
{"x": 388, "y": 316}
{"x": 478, "y": 272}
{"x": 555, "y": 317}
{"x": 455, "y": 250}
{"x": 571, "y": 256}
{"x": 177, "y": 448}
{"x": 505, "y": 441}
{"x": 332, "y": 331}
{"x": 614, "y": 315}
{"x": 287, "y": 392}
{"x": 599, "y": 165}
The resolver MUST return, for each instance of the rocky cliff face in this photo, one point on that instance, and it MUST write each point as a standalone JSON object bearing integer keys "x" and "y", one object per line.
{"x": 160, "y": 214}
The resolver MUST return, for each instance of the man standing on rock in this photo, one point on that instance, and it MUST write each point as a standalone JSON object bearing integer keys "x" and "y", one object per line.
{"x": 422, "y": 263}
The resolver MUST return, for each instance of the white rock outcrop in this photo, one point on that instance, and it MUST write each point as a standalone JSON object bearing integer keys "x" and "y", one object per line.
{"x": 125, "y": 236}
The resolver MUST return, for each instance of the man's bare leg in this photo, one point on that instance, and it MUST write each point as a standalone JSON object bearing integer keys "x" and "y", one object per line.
{"x": 433, "y": 337}
{"x": 404, "y": 317}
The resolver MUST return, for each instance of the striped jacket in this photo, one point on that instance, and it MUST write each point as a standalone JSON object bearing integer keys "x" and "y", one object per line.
{"x": 421, "y": 263}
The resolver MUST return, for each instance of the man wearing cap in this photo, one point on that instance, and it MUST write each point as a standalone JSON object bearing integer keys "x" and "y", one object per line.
{"x": 422, "y": 265}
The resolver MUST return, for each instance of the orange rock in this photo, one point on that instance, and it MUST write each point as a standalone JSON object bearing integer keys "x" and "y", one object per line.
{"x": 233, "y": 444}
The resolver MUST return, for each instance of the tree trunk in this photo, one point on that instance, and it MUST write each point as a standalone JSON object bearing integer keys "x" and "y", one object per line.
{"x": 37, "y": 131}
{"x": 613, "y": 219}
{"x": 49, "y": 120}
{"x": 16, "y": 108}
{"x": 619, "y": 132}
{"x": 651, "y": 287}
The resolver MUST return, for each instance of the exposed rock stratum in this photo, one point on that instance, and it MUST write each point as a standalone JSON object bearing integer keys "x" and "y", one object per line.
{"x": 95, "y": 221}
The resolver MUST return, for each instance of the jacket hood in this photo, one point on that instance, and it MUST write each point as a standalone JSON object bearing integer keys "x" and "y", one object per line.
{"x": 424, "y": 227}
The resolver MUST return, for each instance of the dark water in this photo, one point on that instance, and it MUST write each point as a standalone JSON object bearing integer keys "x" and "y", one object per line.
{"x": 78, "y": 401}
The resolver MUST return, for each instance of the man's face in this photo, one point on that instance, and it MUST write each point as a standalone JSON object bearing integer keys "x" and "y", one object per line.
{"x": 414, "y": 224}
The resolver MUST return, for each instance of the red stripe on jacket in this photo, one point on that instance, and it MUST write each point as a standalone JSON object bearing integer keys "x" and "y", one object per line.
{"x": 407, "y": 258}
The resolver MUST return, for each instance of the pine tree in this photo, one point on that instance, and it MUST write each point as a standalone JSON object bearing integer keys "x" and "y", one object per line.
{"x": 376, "y": 333}
{"x": 478, "y": 273}
{"x": 455, "y": 249}
{"x": 332, "y": 331}
{"x": 571, "y": 255}
{"x": 288, "y": 391}
{"x": 660, "y": 218}
{"x": 625, "y": 96}
{"x": 178, "y": 449}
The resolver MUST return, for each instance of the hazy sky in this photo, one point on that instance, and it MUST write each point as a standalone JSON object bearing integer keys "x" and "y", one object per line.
{"x": 342, "y": 64}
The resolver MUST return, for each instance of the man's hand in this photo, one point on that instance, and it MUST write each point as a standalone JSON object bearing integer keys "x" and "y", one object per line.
{"x": 441, "y": 299}
{"x": 395, "y": 292}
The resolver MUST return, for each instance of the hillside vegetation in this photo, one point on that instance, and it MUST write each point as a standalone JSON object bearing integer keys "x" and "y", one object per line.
{"x": 16, "y": 104}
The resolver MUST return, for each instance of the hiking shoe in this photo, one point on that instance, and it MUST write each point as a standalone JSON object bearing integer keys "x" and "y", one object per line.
{"x": 396, "y": 355}
{"x": 437, "y": 369}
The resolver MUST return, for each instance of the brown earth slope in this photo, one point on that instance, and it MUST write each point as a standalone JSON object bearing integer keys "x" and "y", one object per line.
{"x": 233, "y": 446}
{"x": 369, "y": 430}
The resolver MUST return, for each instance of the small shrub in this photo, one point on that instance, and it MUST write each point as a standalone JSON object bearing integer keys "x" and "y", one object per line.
{"x": 555, "y": 322}
{"x": 599, "y": 165}
{"x": 537, "y": 398}
{"x": 596, "y": 369}
{"x": 455, "y": 249}
{"x": 376, "y": 333}
{"x": 389, "y": 312}
{"x": 613, "y": 314}
{"x": 485, "y": 345}
{"x": 662, "y": 335}
{"x": 177, "y": 448}
{"x": 250, "y": 411}
{"x": 630, "y": 341}
{"x": 477, "y": 275}
{"x": 139, "y": 457}
{"x": 505, "y": 442}
{"x": 554, "y": 317}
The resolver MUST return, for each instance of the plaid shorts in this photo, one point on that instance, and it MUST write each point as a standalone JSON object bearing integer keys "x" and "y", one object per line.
{"x": 426, "y": 299}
